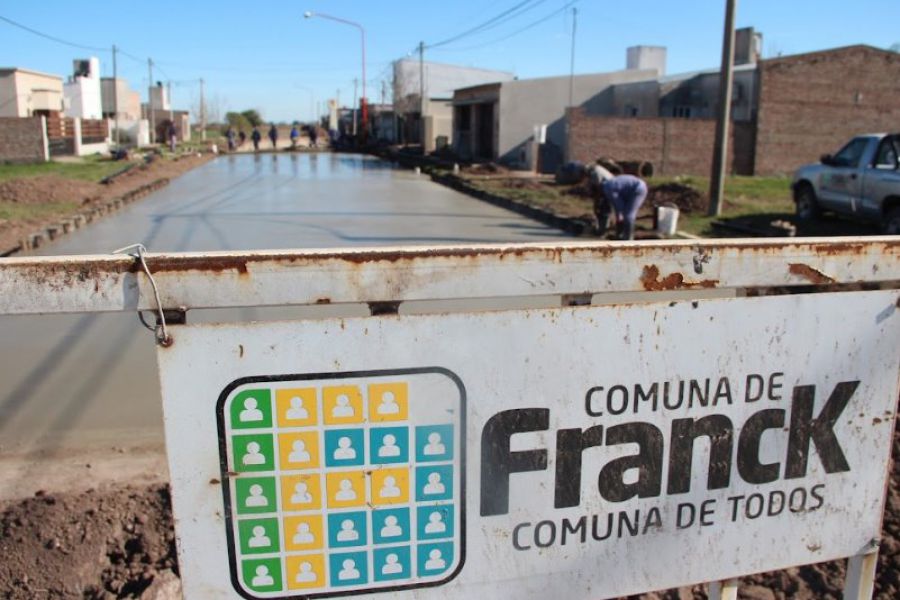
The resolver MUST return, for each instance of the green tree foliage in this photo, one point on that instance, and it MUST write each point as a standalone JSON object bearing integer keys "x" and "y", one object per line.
{"x": 238, "y": 121}
{"x": 253, "y": 117}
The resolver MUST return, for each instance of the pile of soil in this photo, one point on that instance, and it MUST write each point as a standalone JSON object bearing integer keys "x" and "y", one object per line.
{"x": 686, "y": 198}
{"x": 120, "y": 544}
{"x": 48, "y": 189}
{"x": 90, "y": 545}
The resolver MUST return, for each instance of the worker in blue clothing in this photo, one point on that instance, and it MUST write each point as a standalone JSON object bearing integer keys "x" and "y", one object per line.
{"x": 624, "y": 193}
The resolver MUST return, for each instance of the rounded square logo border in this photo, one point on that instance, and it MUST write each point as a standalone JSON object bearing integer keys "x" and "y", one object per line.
{"x": 226, "y": 479}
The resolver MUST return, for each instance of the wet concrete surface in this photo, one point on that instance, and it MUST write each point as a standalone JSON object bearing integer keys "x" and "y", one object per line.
{"x": 87, "y": 384}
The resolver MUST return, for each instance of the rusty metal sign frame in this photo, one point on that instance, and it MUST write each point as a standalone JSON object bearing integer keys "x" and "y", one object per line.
{"x": 392, "y": 275}
{"x": 384, "y": 278}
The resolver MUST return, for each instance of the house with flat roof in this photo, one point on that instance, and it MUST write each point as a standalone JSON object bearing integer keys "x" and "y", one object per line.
{"x": 423, "y": 98}
{"x": 27, "y": 93}
{"x": 497, "y": 121}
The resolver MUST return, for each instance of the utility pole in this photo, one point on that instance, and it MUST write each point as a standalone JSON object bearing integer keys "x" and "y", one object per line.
{"x": 355, "y": 83}
{"x": 150, "y": 101}
{"x": 115, "y": 96}
{"x": 572, "y": 60}
{"x": 422, "y": 93}
{"x": 720, "y": 147}
{"x": 202, "y": 113}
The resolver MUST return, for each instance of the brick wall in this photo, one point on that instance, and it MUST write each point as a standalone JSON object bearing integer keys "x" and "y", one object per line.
{"x": 21, "y": 139}
{"x": 674, "y": 146}
{"x": 811, "y": 104}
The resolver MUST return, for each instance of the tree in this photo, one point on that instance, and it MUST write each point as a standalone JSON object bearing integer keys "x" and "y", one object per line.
{"x": 238, "y": 121}
{"x": 253, "y": 117}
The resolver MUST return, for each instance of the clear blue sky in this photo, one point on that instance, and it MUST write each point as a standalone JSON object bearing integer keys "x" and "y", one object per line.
{"x": 264, "y": 55}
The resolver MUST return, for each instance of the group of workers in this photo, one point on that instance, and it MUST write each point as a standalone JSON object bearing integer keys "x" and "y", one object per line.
{"x": 237, "y": 140}
{"x": 619, "y": 194}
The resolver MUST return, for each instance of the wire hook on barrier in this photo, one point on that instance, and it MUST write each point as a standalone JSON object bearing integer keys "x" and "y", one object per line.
{"x": 161, "y": 331}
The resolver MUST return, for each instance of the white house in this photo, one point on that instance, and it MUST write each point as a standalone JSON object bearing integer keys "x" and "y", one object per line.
{"x": 82, "y": 92}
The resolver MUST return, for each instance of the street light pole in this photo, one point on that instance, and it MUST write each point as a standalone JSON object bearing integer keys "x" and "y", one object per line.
{"x": 362, "y": 31}
{"x": 720, "y": 146}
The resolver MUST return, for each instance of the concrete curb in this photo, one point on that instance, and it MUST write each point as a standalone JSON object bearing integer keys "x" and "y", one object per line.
{"x": 572, "y": 226}
{"x": 80, "y": 219}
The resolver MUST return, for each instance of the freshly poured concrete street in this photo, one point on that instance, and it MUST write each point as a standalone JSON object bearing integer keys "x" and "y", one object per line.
{"x": 83, "y": 389}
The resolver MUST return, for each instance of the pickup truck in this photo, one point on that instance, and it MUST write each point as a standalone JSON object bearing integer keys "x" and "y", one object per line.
{"x": 862, "y": 180}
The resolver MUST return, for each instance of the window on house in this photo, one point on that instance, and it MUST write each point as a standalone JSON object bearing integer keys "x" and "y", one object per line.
{"x": 631, "y": 111}
{"x": 682, "y": 112}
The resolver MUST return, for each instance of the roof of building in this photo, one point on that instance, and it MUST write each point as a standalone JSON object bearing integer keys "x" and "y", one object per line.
{"x": 711, "y": 71}
{"x": 449, "y": 65}
{"x": 8, "y": 70}
{"x": 814, "y": 53}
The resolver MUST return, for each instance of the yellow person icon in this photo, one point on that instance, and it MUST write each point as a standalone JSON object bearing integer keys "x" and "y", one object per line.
{"x": 342, "y": 404}
{"x": 388, "y": 402}
{"x": 305, "y": 571}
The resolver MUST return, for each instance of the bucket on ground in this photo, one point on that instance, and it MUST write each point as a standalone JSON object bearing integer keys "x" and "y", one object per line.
{"x": 666, "y": 220}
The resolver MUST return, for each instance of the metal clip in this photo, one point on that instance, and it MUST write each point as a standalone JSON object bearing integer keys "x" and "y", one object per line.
{"x": 160, "y": 331}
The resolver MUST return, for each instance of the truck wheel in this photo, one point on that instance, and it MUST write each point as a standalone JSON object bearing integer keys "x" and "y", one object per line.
{"x": 806, "y": 203}
{"x": 891, "y": 225}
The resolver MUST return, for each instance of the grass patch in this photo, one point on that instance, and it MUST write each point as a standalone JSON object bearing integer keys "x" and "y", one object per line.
{"x": 12, "y": 211}
{"x": 744, "y": 196}
{"x": 91, "y": 168}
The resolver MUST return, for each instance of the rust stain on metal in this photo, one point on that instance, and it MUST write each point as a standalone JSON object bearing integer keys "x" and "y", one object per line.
{"x": 807, "y": 272}
{"x": 323, "y": 300}
{"x": 650, "y": 278}
{"x": 214, "y": 264}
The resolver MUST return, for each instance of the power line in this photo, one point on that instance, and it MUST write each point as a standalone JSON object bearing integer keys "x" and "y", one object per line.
{"x": 531, "y": 25}
{"x": 141, "y": 61}
{"x": 68, "y": 43}
{"x": 514, "y": 11}
{"x": 53, "y": 38}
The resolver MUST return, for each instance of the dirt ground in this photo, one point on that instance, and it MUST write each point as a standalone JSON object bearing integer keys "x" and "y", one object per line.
{"x": 53, "y": 189}
{"x": 119, "y": 543}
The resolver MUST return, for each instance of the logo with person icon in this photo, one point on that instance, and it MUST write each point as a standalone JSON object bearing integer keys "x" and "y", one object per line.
{"x": 253, "y": 452}
{"x": 392, "y": 563}
{"x": 346, "y": 488}
{"x": 347, "y": 568}
{"x": 342, "y": 405}
{"x": 434, "y": 482}
{"x": 252, "y": 409}
{"x": 434, "y": 443}
{"x": 388, "y": 401}
{"x": 344, "y": 447}
{"x": 347, "y": 529}
{"x": 296, "y": 407}
{"x": 255, "y": 495}
{"x": 390, "y": 486}
{"x": 389, "y": 445}
{"x": 262, "y": 575}
{"x": 342, "y": 484}
{"x": 435, "y": 558}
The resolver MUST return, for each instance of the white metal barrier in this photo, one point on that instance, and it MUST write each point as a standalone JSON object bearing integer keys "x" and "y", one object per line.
{"x": 528, "y": 416}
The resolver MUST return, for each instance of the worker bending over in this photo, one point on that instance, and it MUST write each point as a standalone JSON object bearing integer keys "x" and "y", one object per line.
{"x": 624, "y": 193}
